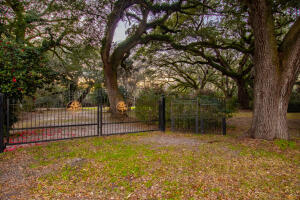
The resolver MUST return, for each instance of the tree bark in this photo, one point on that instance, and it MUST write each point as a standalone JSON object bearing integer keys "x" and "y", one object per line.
{"x": 110, "y": 70}
{"x": 72, "y": 90}
{"x": 275, "y": 73}
{"x": 113, "y": 93}
{"x": 85, "y": 93}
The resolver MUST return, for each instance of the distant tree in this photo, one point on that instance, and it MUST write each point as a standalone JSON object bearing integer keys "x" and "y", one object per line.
{"x": 78, "y": 67}
{"x": 179, "y": 71}
{"x": 145, "y": 17}
{"x": 28, "y": 30}
{"x": 218, "y": 38}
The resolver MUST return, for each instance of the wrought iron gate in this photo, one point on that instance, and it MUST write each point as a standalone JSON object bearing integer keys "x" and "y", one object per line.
{"x": 194, "y": 115}
{"x": 43, "y": 120}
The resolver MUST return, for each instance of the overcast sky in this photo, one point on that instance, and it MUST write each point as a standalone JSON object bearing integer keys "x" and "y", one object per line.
{"x": 120, "y": 32}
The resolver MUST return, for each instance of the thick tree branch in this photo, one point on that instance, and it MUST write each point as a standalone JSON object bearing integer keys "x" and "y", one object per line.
{"x": 289, "y": 50}
{"x": 290, "y": 38}
{"x": 115, "y": 16}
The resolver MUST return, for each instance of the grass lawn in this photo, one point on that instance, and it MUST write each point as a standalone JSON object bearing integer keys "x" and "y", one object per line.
{"x": 157, "y": 166}
{"x": 241, "y": 121}
{"x": 248, "y": 114}
{"x": 152, "y": 166}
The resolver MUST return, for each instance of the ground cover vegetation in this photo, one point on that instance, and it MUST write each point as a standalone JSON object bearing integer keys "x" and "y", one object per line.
{"x": 246, "y": 53}
{"x": 155, "y": 166}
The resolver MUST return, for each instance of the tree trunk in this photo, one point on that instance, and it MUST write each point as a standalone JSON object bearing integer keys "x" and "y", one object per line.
{"x": 270, "y": 107}
{"x": 275, "y": 74}
{"x": 112, "y": 57}
{"x": 84, "y": 93}
{"x": 72, "y": 91}
{"x": 243, "y": 95}
{"x": 113, "y": 93}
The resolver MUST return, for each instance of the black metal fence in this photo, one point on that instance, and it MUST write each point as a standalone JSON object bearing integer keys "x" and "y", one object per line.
{"x": 2, "y": 114}
{"x": 56, "y": 117}
{"x": 59, "y": 117}
{"x": 198, "y": 115}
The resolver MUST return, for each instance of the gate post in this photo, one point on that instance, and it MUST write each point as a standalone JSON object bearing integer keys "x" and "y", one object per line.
{"x": 202, "y": 125}
{"x": 224, "y": 126}
{"x": 2, "y": 144}
{"x": 197, "y": 117}
{"x": 99, "y": 113}
{"x": 172, "y": 117}
{"x": 224, "y": 118}
{"x": 162, "y": 113}
{"x": 7, "y": 120}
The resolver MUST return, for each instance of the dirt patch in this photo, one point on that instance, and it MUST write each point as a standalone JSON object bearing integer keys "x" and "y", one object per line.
{"x": 240, "y": 123}
{"x": 76, "y": 162}
{"x": 16, "y": 175}
{"x": 173, "y": 140}
{"x": 294, "y": 127}
{"x": 13, "y": 177}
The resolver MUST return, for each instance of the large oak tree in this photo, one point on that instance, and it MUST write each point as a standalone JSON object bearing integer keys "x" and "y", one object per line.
{"x": 276, "y": 60}
{"x": 276, "y": 64}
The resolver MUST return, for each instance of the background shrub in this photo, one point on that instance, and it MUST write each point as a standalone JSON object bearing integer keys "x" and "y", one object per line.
{"x": 146, "y": 104}
{"x": 294, "y": 104}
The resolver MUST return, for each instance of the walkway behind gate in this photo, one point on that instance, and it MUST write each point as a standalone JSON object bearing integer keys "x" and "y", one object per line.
{"x": 45, "y": 121}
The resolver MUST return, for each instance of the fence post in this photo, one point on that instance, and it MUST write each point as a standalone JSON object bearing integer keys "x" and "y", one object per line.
{"x": 7, "y": 119}
{"x": 101, "y": 112}
{"x": 162, "y": 114}
{"x": 224, "y": 125}
{"x": 197, "y": 117}
{"x": 98, "y": 115}
{"x": 224, "y": 118}
{"x": 201, "y": 118}
{"x": 172, "y": 117}
{"x": 2, "y": 144}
